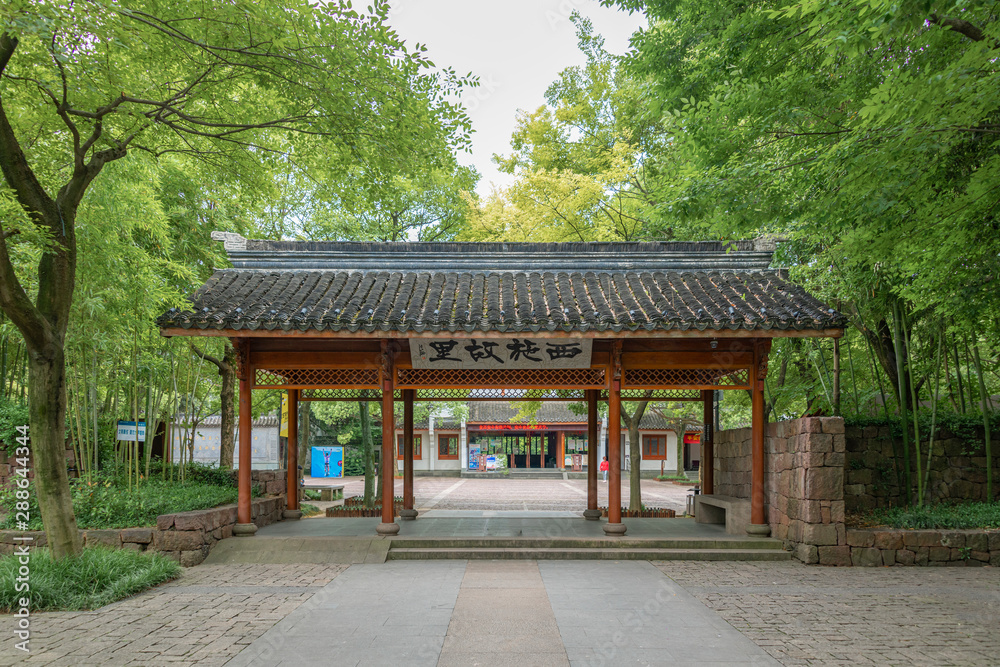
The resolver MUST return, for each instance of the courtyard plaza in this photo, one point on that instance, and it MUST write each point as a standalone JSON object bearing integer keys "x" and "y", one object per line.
{"x": 569, "y": 495}
{"x": 534, "y": 613}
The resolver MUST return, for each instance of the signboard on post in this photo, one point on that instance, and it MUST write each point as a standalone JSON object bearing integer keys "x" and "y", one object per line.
{"x": 126, "y": 431}
{"x": 473, "y": 458}
{"x": 517, "y": 353}
{"x": 283, "y": 430}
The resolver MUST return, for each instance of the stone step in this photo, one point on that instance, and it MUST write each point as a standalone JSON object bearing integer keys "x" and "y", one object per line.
{"x": 583, "y": 543}
{"x": 588, "y": 554}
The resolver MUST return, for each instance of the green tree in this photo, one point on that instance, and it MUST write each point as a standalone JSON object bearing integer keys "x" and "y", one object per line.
{"x": 241, "y": 85}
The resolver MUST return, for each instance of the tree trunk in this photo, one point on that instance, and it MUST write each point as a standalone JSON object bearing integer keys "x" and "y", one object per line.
{"x": 369, "y": 453}
{"x": 227, "y": 395}
{"x": 635, "y": 452}
{"x": 305, "y": 426}
{"x": 47, "y": 400}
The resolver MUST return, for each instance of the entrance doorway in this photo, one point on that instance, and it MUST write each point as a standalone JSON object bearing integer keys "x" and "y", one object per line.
{"x": 521, "y": 450}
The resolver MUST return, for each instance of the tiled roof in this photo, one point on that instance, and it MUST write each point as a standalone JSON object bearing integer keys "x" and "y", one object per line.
{"x": 570, "y": 287}
{"x": 552, "y": 412}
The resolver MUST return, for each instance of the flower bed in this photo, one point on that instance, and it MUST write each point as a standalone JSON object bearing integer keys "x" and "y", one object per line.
{"x": 646, "y": 513}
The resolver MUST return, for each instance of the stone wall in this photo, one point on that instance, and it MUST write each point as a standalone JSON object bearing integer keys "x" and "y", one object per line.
{"x": 962, "y": 548}
{"x": 958, "y": 468}
{"x": 803, "y": 482}
{"x": 8, "y": 466}
{"x": 187, "y": 537}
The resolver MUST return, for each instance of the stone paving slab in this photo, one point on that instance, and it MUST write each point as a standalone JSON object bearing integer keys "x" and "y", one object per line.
{"x": 859, "y": 616}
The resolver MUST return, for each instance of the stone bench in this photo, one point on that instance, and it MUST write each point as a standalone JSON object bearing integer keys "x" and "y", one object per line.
{"x": 733, "y": 512}
{"x": 326, "y": 491}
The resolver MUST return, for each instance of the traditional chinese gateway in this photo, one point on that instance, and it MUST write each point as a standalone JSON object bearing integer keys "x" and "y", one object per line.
{"x": 584, "y": 322}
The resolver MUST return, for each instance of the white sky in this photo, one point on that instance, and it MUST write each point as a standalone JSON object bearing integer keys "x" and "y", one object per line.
{"x": 516, "y": 47}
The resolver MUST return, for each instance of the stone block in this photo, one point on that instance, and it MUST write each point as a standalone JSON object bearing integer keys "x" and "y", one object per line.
{"x": 227, "y": 531}
{"x": 819, "y": 534}
{"x": 810, "y": 425}
{"x": 953, "y": 539}
{"x": 866, "y": 557}
{"x": 189, "y": 520}
{"x": 811, "y": 511}
{"x": 905, "y": 557}
{"x": 863, "y": 476}
{"x": 181, "y": 540}
{"x": 977, "y": 541}
{"x": 888, "y": 556}
{"x": 860, "y": 538}
{"x": 795, "y": 530}
{"x": 839, "y": 444}
{"x": 922, "y": 556}
{"x": 165, "y": 521}
{"x": 837, "y": 511}
{"x": 835, "y": 459}
{"x": 832, "y": 424}
{"x": 137, "y": 536}
{"x": 819, "y": 442}
{"x": 922, "y": 538}
{"x": 807, "y": 553}
{"x": 824, "y": 484}
{"x": 854, "y": 490}
{"x": 193, "y": 557}
{"x": 132, "y": 546}
{"x": 994, "y": 540}
{"x": 835, "y": 556}
{"x": 886, "y": 539}
{"x": 109, "y": 538}
{"x": 938, "y": 553}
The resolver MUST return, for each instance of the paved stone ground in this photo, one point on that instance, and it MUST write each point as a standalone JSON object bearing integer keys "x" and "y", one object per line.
{"x": 805, "y": 615}
{"x": 205, "y": 617}
{"x": 453, "y": 493}
{"x": 799, "y": 615}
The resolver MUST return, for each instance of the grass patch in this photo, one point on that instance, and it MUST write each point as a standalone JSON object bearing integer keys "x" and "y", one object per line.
{"x": 675, "y": 478}
{"x": 310, "y": 510}
{"x": 97, "y": 577}
{"x": 311, "y": 494}
{"x": 952, "y": 517}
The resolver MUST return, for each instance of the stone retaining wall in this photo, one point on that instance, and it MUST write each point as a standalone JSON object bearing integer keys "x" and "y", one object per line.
{"x": 803, "y": 482}
{"x": 961, "y": 548}
{"x": 187, "y": 537}
{"x": 7, "y": 465}
{"x": 958, "y": 468}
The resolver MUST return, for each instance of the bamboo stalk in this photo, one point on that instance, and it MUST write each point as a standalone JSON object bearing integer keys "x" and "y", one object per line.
{"x": 854, "y": 380}
{"x": 900, "y": 381}
{"x": 986, "y": 422}
{"x": 915, "y": 402}
{"x": 934, "y": 402}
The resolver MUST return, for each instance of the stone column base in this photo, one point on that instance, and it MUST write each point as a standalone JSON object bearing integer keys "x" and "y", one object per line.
{"x": 387, "y": 528}
{"x": 244, "y": 529}
{"x": 615, "y": 529}
{"x": 291, "y": 514}
{"x": 408, "y": 515}
{"x": 759, "y": 530}
{"x": 591, "y": 515}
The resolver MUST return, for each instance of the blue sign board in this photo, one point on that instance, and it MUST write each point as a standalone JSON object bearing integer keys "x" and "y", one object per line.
{"x": 327, "y": 462}
{"x": 473, "y": 458}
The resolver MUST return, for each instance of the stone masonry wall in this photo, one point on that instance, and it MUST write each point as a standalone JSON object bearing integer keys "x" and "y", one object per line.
{"x": 961, "y": 548}
{"x": 803, "y": 483}
{"x": 958, "y": 468}
{"x": 187, "y": 537}
{"x": 7, "y": 465}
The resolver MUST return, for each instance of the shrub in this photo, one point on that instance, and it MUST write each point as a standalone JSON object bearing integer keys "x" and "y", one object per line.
{"x": 12, "y": 415}
{"x": 949, "y": 517}
{"x": 310, "y": 510}
{"x": 103, "y": 503}
{"x": 96, "y": 577}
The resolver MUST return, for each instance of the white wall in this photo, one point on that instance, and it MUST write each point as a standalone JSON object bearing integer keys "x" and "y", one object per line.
{"x": 429, "y": 460}
{"x": 669, "y": 465}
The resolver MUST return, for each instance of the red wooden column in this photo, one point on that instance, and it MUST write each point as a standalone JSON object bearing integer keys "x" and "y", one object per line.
{"x": 758, "y": 520}
{"x": 388, "y": 525}
{"x": 408, "y": 512}
{"x": 614, "y": 526}
{"x": 292, "y": 491}
{"x": 592, "y": 513}
{"x": 244, "y": 526}
{"x": 708, "y": 443}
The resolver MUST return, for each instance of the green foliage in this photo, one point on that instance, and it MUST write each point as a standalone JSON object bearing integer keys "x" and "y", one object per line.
{"x": 955, "y": 517}
{"x": 108, "y": 502}
{"x": 12, "y": 415}
{"x": 968, "y": 428}
{"x": 310, "y": 510}
{"x": 96, "y": 577}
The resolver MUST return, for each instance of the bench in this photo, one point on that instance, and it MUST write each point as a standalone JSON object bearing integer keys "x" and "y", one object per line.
{"x": 733, "y": 512}
{"x": 326, "y": 491}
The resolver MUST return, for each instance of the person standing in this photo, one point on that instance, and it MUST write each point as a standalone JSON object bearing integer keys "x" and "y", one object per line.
{"x": 605, "y": 466}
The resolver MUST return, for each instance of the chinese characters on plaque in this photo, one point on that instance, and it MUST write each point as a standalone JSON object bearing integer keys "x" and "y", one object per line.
{"x": 516, "y": 353}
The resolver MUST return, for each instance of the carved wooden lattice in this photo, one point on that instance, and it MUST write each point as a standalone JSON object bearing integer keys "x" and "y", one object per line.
{"x": 657, "y": 395}
{"x": 493, "y": 394}
{"x": 344, "y": 395}
{"x": 570, "y": 378}
{"x": 702, "y": 378}
{"x": 316, "y": 377}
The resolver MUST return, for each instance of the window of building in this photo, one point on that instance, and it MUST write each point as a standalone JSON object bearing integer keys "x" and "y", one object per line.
{"x": 447, "y": 447}
{"x": 416, "y": 447}
{"x": 654, "y": 446}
